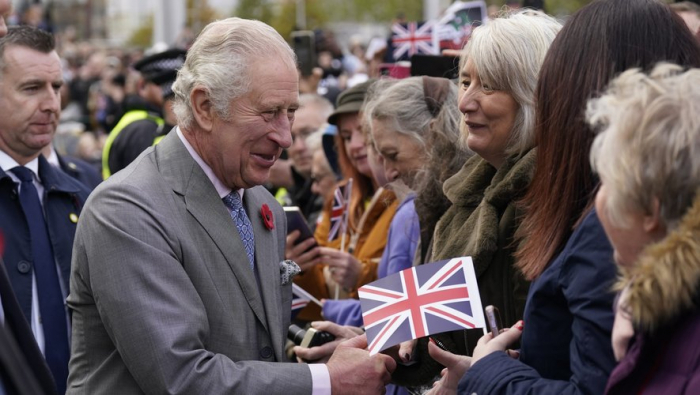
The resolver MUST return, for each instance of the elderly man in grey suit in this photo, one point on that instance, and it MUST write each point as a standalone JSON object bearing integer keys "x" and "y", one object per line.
{"x": 176, "y": 283}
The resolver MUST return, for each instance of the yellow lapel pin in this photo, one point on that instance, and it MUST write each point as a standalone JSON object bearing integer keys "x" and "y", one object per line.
{"x": 73, "y": 218}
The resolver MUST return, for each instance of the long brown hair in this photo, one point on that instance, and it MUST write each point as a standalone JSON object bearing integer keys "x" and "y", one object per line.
{"x": 362, "y": 186}
{"x": 598, "y": 42}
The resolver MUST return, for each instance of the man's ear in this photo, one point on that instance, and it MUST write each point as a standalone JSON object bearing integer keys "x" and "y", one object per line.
{"x": 141, "y": 86}
{"x": 202, "y": 109}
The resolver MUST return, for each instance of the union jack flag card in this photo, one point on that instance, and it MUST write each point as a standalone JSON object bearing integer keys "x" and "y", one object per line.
{"x": 421, "y": 301}
{"x": 339, "y": 211}
{"x": 408, "y": 39}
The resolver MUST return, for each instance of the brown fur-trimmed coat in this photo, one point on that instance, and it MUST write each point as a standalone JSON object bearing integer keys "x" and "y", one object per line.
{"x": 662, "y": 299}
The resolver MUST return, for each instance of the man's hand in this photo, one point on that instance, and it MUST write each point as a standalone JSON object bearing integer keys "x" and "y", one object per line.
{"x": 345, "y": 268}
{"x": 323, "y": 352}
{"x": 353, "y": 371}
{"x": 455, "y": 367}
{"x": 299, "y": 254}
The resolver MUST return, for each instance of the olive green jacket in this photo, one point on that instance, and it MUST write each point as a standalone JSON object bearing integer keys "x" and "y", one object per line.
{"x": 480, "y": 223}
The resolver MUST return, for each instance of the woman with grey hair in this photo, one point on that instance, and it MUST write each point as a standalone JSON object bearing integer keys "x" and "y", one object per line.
{"x": 648, "y": 158}
{"x": 413, "y": 124}
{"x": 498, "y": 76}
{"x": 414, "y": 127}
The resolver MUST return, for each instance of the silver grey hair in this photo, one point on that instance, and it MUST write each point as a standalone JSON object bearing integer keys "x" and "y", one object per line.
{"x": 402, "y": 106}
{"x": 507, "y": 53}
{"x": 218, "y": 62}
{"x": 322, "y": 105}
{"x": 648, "y": 148}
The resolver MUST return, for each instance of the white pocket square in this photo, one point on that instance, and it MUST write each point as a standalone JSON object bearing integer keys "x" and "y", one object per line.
{"x": 288, "y": 269}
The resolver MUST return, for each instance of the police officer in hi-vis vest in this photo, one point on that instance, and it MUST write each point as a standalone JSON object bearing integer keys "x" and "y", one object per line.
{"x": 148, "y": 116}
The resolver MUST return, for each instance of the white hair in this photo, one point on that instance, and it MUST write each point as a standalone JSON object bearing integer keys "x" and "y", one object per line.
{"x": 507, "y": 53}
{"x": 218, "y": 62}
{"x": 401, "y": 105}
{"x": 321, "y": 104}
{"x": 314, "y": 141}
{"x": 648, "y": 147}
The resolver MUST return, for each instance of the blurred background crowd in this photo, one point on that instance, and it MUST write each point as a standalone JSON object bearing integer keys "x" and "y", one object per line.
{"x": 100, "y": 41}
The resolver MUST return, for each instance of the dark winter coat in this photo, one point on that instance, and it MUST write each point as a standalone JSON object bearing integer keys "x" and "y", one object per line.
{"x": 565, "y": 348}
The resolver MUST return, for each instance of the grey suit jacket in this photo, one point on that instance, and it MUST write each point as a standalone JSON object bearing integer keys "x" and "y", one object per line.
{"x": 162, "y": 294}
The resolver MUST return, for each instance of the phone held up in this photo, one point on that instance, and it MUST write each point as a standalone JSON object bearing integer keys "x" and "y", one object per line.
{"x": 297, "y": 221}
{"x": 493, "y": 320}
{"x": 305, "y": 49}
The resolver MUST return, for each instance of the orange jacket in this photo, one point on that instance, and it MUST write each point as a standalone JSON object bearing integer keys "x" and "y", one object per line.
{"x": 368, "y": 249}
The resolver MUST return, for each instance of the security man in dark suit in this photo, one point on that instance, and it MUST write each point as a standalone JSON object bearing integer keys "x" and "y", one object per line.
{"x": 39, "y": 205}
{"x": 22, "y": 366}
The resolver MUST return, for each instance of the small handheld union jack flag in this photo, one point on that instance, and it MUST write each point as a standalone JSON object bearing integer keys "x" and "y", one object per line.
{"x": 408, "y": 39}
{"x": 339, "y": 211}
{"x": 421, "y": 301}
{"x": 301, "y": 298}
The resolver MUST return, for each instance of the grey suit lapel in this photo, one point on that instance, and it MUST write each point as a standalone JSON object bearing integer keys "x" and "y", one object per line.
{"x": 267, "y": 263}
{"x": 203, "y": 203}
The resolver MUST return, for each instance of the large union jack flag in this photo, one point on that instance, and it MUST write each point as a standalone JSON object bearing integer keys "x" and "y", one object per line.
{"x": 339, "y": 211}
{"x": 411, "y": 38}
{"x": 420, "y": 301}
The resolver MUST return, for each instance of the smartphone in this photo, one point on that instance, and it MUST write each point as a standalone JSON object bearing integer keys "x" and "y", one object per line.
{"x": 493, "y": 319}
{"x": 305, "y": 49}
{"x": 297, "y": 221}
{"x": 435, "y": 66}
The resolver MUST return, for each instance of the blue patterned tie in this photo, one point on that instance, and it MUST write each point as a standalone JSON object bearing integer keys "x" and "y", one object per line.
{"x": 245, "y": 229}
{"x": 51, "y": 307}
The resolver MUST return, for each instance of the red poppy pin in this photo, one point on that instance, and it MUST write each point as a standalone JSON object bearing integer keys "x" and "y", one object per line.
{"x": 267, "y": 217}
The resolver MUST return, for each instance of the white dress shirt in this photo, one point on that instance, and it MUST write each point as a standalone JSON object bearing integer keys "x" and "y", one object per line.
{"x": 321, "y": 379}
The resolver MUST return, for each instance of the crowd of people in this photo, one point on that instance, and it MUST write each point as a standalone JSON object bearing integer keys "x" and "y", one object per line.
{"x": 145, "y": 249}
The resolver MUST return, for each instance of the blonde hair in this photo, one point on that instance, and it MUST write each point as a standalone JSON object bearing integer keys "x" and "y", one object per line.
{"x": 649, "y": 142}
{"x": 507, "y": 53}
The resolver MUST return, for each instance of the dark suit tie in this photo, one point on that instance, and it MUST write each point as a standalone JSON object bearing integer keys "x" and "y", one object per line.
{"x": 51, "y": 306}
{"x": 245, "y": 229}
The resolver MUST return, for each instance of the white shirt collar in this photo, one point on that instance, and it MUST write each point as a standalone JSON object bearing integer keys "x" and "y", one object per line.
{"x": 7, "y": 163}
{"x": 221, "y": 189}
{"x": 53, "y": 159}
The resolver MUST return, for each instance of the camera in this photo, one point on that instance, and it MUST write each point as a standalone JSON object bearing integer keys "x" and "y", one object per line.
{"x": 308, "y": 338}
